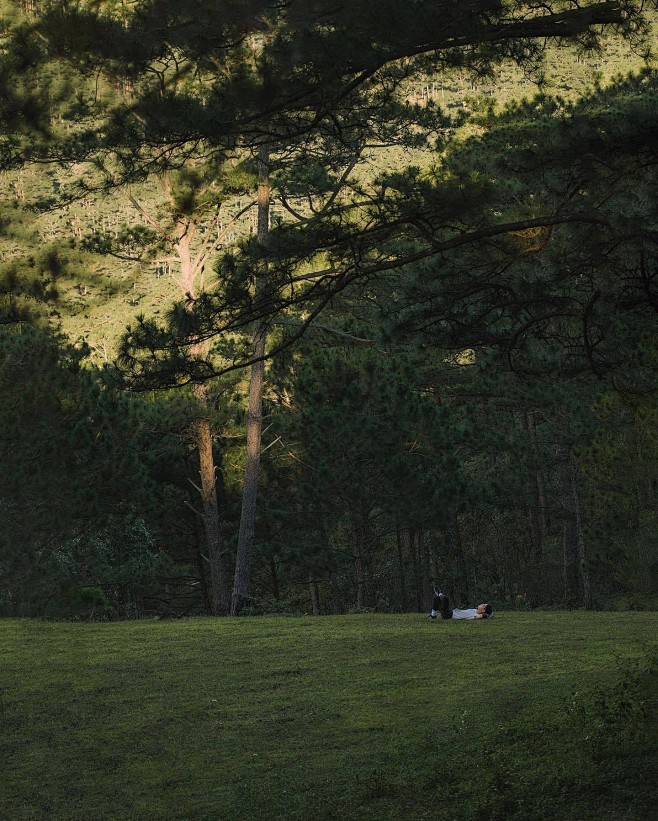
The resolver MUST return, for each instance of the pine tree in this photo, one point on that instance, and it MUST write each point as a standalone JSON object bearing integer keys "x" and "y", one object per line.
{"x": 76, "y": 466}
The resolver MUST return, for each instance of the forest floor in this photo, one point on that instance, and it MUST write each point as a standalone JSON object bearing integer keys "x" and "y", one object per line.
{"x": 526, "y": 716}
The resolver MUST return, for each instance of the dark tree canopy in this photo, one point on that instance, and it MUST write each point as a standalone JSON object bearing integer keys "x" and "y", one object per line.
{"x": 457, "y": 308}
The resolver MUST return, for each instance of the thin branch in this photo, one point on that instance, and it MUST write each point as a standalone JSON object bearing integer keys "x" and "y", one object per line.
{"x": 156, "y": 227}
{"x": 192, "y": 508}
{"x": 336, "y": 331}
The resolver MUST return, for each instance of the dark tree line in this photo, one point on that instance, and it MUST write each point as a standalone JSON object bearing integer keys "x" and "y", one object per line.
{"x": 447, "y": 360}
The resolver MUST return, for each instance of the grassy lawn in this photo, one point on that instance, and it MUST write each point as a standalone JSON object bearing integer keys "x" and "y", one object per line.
{"x": 526, "y": 716}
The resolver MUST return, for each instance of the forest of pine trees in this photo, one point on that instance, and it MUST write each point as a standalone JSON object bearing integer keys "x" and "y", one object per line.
{"x": 281, "y": 334}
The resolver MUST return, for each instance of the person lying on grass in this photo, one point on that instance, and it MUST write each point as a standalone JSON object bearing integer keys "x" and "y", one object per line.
{"x": 441, "y": 606}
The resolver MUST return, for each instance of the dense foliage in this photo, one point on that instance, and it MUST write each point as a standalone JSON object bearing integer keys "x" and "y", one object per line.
{"x": 456, "y": 304}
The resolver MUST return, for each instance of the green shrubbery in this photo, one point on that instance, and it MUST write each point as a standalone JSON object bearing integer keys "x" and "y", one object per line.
{"x": 613, "y": 718}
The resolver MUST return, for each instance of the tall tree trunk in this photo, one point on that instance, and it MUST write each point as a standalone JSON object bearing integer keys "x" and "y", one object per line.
{"x": 210, "y": 508}
{"x": 536, "y": 507}
{"x": 543, "y": 504}
{"x": 583, "y": 570}
{"x": 185, "y": 230}
{"x": 536, "y": 526}
{"x": 358, "y": 572}
{"x": 314, "y": 593}
{"x": 455, "y": 550}
{"x": 412, "y": 544}
{"x": 276, "y": 590}
{"x": 243, "y": 561}
{"x": 359, "y": 561}
{"x": 203, "y": 435}
{"x": 207, "y": 605}
{"x": 425, "y": 572}
{"x": 576, "y": 575}
{"x": 645, "y": 498}
{"x": 531, "y": 564}
{"x": 367, "y": 551}
{"x": 403, "y": 586}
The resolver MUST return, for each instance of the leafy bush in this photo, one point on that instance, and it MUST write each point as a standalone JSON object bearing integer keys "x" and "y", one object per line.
{"x": 611, "y": 720}
{"x": 118, "y": 562}
{"x": 89, "y": 600}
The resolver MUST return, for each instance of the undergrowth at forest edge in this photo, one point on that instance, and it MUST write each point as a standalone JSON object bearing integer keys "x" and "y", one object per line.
{"x": 362, "y": 717}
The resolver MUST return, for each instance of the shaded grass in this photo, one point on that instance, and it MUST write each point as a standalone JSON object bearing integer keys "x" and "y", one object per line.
{"x": 368, "y": 717}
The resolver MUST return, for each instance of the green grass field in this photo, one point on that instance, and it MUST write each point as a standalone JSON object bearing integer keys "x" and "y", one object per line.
{"x": 529, "y": 715}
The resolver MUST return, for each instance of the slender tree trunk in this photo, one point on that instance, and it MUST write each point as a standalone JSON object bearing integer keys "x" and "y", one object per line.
{"x": 276, "y": 591}
{"x": 435, "y": 565}
{"x": 243, "y": 561}
{"x": 358, "y": 571}
{"x": 205, "y": 596}
{"x": 536, "y": 529}
{"x": 570, "y": 526}
{"x": 645, "y": 498}
{"x": 425, "y": 572}
{"x": 412, "y": 545}
{"x": 583, "y": 570}
{"x": 569, "y": 561}
{"x": 532, "y": 569}
{"x": 536, "y": 541}
{"x": 210, "y": 508}
{"x": 203, "y": 433}
{"x": 314, "y": 593}
{"x": 367, "y": 549}
{"x": 536, "y": 506}
{"x": 192, "y": 262}
{"x": 543, "y": 504}
{"x": 455, "y": 550}
{"x": 358, "y": 556}
{"x": 403, "y": 586}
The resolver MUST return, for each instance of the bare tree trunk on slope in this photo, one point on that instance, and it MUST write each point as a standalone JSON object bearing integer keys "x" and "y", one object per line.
{"x": 203, "y": 435}
{"x": 180, "y": 237}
